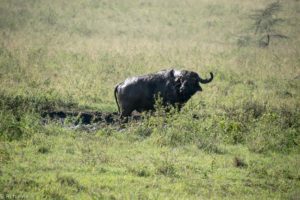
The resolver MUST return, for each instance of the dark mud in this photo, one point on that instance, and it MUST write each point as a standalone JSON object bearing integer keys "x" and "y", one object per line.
{"x": 92, "y": 120}
{"x": 82, "y": 117}
{"x": 85, "y": 120}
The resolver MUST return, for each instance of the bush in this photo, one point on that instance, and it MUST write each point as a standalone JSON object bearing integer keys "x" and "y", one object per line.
{"x": 21, "y": 103}
{"x": 70, "y": 182}
{"x": 19, "y": 115}
{"x": 173, "y": 130}
{"x": 268, "y": 134}
{"x": 14, "y": 127}
{"x": 260, "y": 127}
{"x": 209, "y": 145}
{"x": 140, "y": 170}
{"x": 165, "y": 166}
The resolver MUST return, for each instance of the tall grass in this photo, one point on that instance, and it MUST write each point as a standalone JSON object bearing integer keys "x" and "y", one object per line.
{"x": 237, "y": 138}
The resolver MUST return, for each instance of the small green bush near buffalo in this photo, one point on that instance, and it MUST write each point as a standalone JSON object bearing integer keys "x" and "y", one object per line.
{"x": 238, "y": 139}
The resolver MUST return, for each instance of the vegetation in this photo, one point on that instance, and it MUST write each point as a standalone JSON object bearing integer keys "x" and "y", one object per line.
{"x": 264, "y": 23}
{"x": 239, "y": 138}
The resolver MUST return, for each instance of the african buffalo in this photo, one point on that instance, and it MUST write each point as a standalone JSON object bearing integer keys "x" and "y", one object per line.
{"x": 175, "y": 87}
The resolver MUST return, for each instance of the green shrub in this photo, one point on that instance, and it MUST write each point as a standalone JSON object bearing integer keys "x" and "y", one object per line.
{"x": 69, "y": 181}
{"x": 209, "y": 145}
{"x": 239, "y": 162}
{"x": 166, "y": 166}
{"x": 141, "y": 171}
{"x": 43, "y": 150}
{"x": 142, "y": 130}
{"x": 14, "y": 127}
{"x": 53, "y": 195}
{"x": 268, "y": 134}
{"x": 4, "y": 155}
{"x": 21, "y": 103}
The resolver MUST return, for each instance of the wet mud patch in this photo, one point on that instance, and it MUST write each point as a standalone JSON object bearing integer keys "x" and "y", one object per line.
{"x": 85, "y": 120}
{"x": 81, "y": 117}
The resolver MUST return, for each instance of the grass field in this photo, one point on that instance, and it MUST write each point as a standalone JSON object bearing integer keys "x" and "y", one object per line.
{"x": 69, "y": 55}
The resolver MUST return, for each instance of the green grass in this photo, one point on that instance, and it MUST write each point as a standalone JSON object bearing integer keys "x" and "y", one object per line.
{"x": 238, "y": 139}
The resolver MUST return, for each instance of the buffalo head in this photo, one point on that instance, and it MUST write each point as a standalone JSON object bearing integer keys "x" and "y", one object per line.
{"x": 188, "y": 83}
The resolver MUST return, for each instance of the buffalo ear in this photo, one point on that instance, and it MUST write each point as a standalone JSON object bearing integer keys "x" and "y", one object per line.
{"x": 170, "y": 74}
{"x": 178, "y": 81}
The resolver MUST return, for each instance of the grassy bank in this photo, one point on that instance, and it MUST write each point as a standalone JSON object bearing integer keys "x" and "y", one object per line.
{"x": 239, "y": 138}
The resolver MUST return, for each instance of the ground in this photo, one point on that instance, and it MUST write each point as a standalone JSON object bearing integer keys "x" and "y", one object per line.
{"x": 238, "y": 139}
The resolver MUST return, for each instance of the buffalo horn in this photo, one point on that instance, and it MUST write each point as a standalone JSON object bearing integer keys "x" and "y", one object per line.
{"x": 207, "y": 80}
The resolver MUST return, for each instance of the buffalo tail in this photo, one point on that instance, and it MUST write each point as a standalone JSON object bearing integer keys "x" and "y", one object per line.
{"x": 116, "y": 99}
